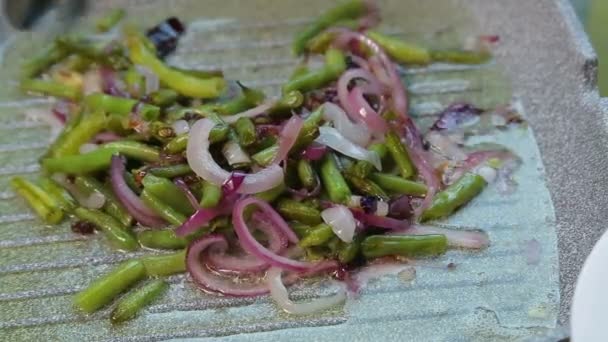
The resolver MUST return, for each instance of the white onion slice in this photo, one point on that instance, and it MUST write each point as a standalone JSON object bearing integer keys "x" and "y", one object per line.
{"x": 250, "y": 113}
{"x": 355, "y": 132}
{"x": 234, "y": 153}
{"x": 95, "y": 200}
{"x": 280, "y": 295}
{"x": 91, "y": 82}
{"x": 202, "y": 163}
{"x": 342, "y": 222}
{"x": 152, "y": 81}
{"x": 332, "y": 138}
{"x": 180, "y": 127}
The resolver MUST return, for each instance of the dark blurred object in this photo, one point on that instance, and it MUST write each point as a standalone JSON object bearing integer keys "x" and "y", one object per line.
{"x": 28, "y": 14}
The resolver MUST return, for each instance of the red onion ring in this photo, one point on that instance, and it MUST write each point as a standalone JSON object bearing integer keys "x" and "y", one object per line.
{"x": 210, "y": 281}
{"x": 251, "y": 245}
{"x": 355, "y": 104}
{"x": 288, "y": 137}
{"x": 129, "y": 199}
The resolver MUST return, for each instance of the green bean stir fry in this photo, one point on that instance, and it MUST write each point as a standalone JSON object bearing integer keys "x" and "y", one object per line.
{"x": 224, "y": 181}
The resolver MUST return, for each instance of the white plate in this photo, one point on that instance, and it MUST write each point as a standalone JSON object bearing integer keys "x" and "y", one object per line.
{"x": 589, "y": 320}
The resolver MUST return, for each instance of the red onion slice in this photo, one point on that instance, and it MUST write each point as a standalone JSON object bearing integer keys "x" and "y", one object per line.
{"x": 367, "y": 114}
{"x": 186, "y": 190}
{"x": 199, "y": 219}
{"x": 211, "y": 281}
{"x": 281, "y": 297}
{"x": 380, "y": 221}
{"x": 202, "y": 163}
{"x": 252, "y": 246}
{"x": 129, "y": 199}
{"x": 314, "y": 152}
{"x": 151, "y": 79}
{"x": 288, "y": 137}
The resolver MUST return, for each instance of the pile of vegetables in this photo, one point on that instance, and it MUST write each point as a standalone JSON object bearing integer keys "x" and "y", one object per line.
{"x": 254, "y": 193}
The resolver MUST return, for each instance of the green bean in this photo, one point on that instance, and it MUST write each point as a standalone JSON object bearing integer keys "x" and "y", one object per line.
{"x": 106, "y": 288}
{"x": 307, "y": 174}
{"x": 397, "y": 185}
{"x": 170, "y": 193}
{"x": 310, "y": 129}
{"x": 315, "y": 253}
{"x": 51, "y": 88}
{"x": 365, "y": 186}
{"x": 245, "y": 129}
{"x": 109, "y": 20}
{"x": 318, "y": 236}
{"x": 454, "y": 196}
{"x": 212, "y": 194}
{"x": 162, "y": 209}
{"x": 299, "y": 71}
{"x": 199, "y": 73}
{"x": 135, "y": 82}
{"x": 265, "y": 156}
{"x": 77, "y": 63}
{"x": 77, "y": 46}
{"x": 120, "y": 106}
{"x": 131, "y": 182}
{"x": 461, "y": 56}
{"x": 63, "y": 198}
{"x": 162, "y": 239}
{"x": 164, "y": 265}
{"x": 117, "y": 234}
{"x": 82, "y": 132}
{"x": 322, "y": 41}
{"x": 400, "y": 155}
{"x": 298, "y": 211}
{"x": 163, "y": 97}
{"x": 335, "y": 64}
{"x": 43, "y": 204}
{"x": 334, "y": 183}
{"x": 181, "y": 82}
{"x": 300, "y": 228}
{"x": 347, "y": 10}
{"x": 111, "y": 206}
{"x": 60, "y": 143}
{"x": 401, "y": 51}
{"x": 133, "y": 302}
{"x": 171, "y": 171}
{"x": 287, "y": 103}
{"x": 363, "y": 168}
{"x": 333, "y": 245}
{"x": 133, "y": 149}
{"x": 271, "y": 195}
{"x": 248, "y": 99}
{"x": 376, "y": 246}
{"x": 39, "y": 63}
{"x": 347, "y": 252}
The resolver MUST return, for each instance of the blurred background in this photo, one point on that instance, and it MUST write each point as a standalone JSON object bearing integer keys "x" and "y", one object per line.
{"x": 594, "y": 15}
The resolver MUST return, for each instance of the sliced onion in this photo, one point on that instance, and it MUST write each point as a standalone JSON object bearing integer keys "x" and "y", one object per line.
{"x": 314, "y": 152}
{"x": 129, "y": 199}
{"x": 281, "y": 297}
{"x": 367, "y": 114}
{"x": 355, "y": 104}
{"x": 151, "y": 79}
{"x": 332, "y": 138}
{"x": 234, "y": 153}
{"x": 251, "y": 113}
{"x": 445, "y": 146}
{"x": 380, "y": 221}
{"x": 47, "y": 117}
{"x": 376, "y": 271}
{"x": 95, "y": 200}
{"x": 252, "y": 246}
{"x": 355, "y": 132}
{"x": 305, "y": 193}
{"x": 288, "y": 137}
{"x": 472, "y": 239}
{"x": 61, "y": 110}
{"x": 91, "y": 82}
{"x": 111, "y": 84}
{"x": 197, "y": 220}
{"x": 202, "y": 163}
{"x": 341, "y": 221}
{"x": 187, "y": 192}
{"x": 180, "y": 127}
{"x": 210, "y": 281}
{"x": 105, "y": 137}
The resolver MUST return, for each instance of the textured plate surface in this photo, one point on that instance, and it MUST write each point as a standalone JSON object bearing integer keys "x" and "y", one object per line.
{"x": 493, "y": 295}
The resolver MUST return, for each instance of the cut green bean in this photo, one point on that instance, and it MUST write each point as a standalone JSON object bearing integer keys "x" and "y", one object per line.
{"x": 248, "y": 99}
{"x": 114, "y": 58}
{"x": 299, "y": 71}
{"x": 376, "y": 246}
{"x": 271, "y": 195}
{"x": 346, "y": 10}
{"x": 129, "y": 306}
{"x": 363, "y": 168}
{"x": 335, "y": 64}
{"x": 82, "y": 132}
{"x": 398, "y": 185}
{"x": 265, "y": 156}
{"x": 400, "y": 155}
{"x": 133, "y": 149}
{"x": 103, "y": 290}
{"x": 165, "y": 265}
{"x": 60, "y": 195}
{"x": 310, "y": 130}
{"x": 318, "y": 236}
{"x": 109, "y": 20}
{"x": 181, "y": 82}
{"x": 365, "y": 186}
{"x": 211, "y": 195}
{"x": 245, "y": 129}
{"x": 51, "y": 88}
{"x": 170, "y": 193}
{"x": 162, "y": 239}
{"x": 401, "y": 51}
{"x": 300, "y": 228}
{"x": 165, "y": 211}
{"x": 454, "y": 196}
{"x": 461, "y": 56}
{"x": 117, "y": 234}
{"x": 111, "y": 206}
{"x": 135, "y": 82}
{"x": 333, "y": 182}
{"x": 121, "y": 106}
{"x": 286, "y": 104}
{"x": 43, "y": 61}
{"x": 299, "y": 211}
{"x": 307, "y": 174}
{"x": 347, "y": 252}
{"x": 171, "y": 171}
{"x": 57, "y": 147}
{"x": 47, "y": 208}
{"x": 163, "y": 97}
